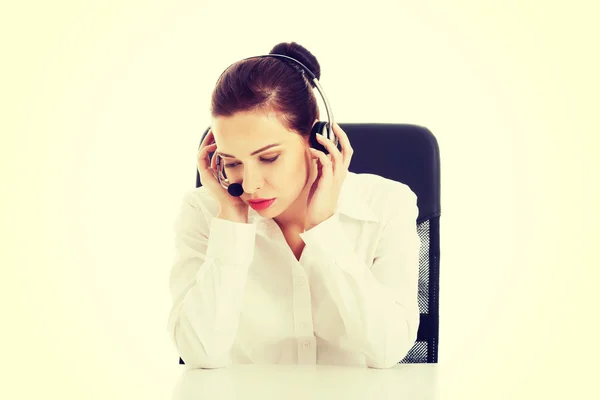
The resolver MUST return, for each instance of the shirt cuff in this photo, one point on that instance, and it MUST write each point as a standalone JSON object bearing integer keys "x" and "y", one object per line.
{"x": 231, "y": 242}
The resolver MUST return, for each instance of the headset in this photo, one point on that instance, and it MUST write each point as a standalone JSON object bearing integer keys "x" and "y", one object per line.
{"x": 319, "y": 128}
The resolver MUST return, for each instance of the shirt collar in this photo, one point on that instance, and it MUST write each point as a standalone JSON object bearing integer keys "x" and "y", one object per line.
{"x": 351, "y": 202}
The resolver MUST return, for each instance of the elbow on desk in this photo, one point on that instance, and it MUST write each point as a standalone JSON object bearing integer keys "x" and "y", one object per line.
{"x": 396, "y": 348}
{"x": 205, "y": 363}
{"x": 194, "y": 353}
{"x": 200, "y": 360}
{"x": 387, "y": 356}
{"x": 388, "y": 359}
{"x": 381, "y": 365}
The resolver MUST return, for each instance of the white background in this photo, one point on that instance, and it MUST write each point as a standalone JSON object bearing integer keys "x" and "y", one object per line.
{"x": 103, "y": 105}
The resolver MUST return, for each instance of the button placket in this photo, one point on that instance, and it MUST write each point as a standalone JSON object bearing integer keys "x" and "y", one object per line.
{"x": 302, "y": 305}
{"x": 302, "y": 315}
{"x": 307, "y": 353}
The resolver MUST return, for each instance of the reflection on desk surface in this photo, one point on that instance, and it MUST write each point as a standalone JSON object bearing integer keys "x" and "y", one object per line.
{"x": 291, "y": 382}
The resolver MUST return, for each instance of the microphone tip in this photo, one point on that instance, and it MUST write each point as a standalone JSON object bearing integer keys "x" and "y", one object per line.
{"x": 235, "y": 189}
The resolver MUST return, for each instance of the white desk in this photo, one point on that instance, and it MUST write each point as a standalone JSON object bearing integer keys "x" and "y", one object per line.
{"x": 291, "y": 382}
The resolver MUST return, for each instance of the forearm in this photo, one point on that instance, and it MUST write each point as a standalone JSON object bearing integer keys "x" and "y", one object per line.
{"x": 375, "y": 324}
{"x": 377, "y": 303}
{"x": 204, "y": 320}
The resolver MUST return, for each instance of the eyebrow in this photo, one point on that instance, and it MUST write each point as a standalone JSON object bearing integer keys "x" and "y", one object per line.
{"x": 253, "y": 153}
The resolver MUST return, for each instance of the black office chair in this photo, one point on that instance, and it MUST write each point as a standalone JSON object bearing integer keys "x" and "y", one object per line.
{"x": 408, "y": 154}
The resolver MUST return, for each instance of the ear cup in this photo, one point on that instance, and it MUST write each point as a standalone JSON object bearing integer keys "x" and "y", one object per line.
{"x": 322, "y": 128}
{"x": 319, "y": 128}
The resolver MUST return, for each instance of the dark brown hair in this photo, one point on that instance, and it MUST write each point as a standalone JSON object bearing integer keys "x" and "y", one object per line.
{"x": 271, "y": 84}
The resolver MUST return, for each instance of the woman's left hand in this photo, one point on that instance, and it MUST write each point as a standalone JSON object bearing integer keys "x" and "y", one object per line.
{"x": 332, "y": 171}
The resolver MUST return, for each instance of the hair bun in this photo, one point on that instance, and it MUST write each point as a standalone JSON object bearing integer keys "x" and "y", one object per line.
{"x": 301, "y": 54}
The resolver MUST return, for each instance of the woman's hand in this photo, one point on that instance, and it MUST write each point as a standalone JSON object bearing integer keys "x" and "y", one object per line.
{"x": 228, "y": 205}
{"x": 332, "y": 171}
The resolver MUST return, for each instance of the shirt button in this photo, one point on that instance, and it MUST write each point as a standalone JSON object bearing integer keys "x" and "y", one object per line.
{"x": 306, "y": 345}
{"x": 300, "y": 281}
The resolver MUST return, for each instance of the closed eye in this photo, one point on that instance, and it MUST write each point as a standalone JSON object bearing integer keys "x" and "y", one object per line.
{"x": 266, "y": 160}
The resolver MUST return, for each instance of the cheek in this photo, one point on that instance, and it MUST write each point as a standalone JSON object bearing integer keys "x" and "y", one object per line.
{"x": 292, "y": 163}
{"x": 292, "y": 172}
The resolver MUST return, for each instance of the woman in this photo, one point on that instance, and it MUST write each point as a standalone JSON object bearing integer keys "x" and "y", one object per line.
{"x": 326, "y": 272}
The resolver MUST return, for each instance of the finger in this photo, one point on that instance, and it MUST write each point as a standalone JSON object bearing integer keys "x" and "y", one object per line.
{"x": 207, "y": 173}
{"x": 204, "y": 151}
{"x": 327, "y": 170}
{"x": 203, "y": 162}
{"x": 347, "y": 149}
{"x": 335, "y": 154}
{"x": 207, "y": 138}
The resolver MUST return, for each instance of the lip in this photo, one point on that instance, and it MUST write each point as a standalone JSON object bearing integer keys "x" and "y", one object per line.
{"x": 261, "y": 204}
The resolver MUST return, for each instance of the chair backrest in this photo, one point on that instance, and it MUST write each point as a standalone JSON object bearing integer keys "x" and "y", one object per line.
{"x": 409, "y": 154}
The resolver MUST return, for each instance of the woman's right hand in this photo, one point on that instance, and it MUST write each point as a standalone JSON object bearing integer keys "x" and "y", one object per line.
{"x": 229, "y": 205}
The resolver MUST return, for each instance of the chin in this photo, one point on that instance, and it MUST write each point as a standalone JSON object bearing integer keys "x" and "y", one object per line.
{"x": 270, "y": 212}
{"x": 273, "y": 211}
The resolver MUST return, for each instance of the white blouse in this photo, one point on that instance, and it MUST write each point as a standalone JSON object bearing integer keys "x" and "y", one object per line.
{"x": 240, "y": 295}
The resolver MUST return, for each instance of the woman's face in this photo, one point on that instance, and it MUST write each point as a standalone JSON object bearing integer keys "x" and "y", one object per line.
{"x": 269, "y": 160}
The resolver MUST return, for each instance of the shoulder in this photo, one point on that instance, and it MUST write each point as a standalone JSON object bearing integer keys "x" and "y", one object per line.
{"x": 199, "y": 198}
{"x": 378, "y": 184}
{"x": 382, "y": 195}
{"x": 376, "y": 189}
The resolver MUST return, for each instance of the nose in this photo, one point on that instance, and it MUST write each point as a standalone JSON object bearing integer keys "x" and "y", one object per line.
{"x": 252, "y": 180}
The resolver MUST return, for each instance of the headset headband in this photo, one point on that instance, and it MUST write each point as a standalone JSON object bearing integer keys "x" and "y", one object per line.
{"x": 312, "y": 77}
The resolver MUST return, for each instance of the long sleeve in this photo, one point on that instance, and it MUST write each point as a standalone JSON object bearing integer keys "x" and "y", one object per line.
{"x": 378, "y": 305}
{"x": 207, "y": 283}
